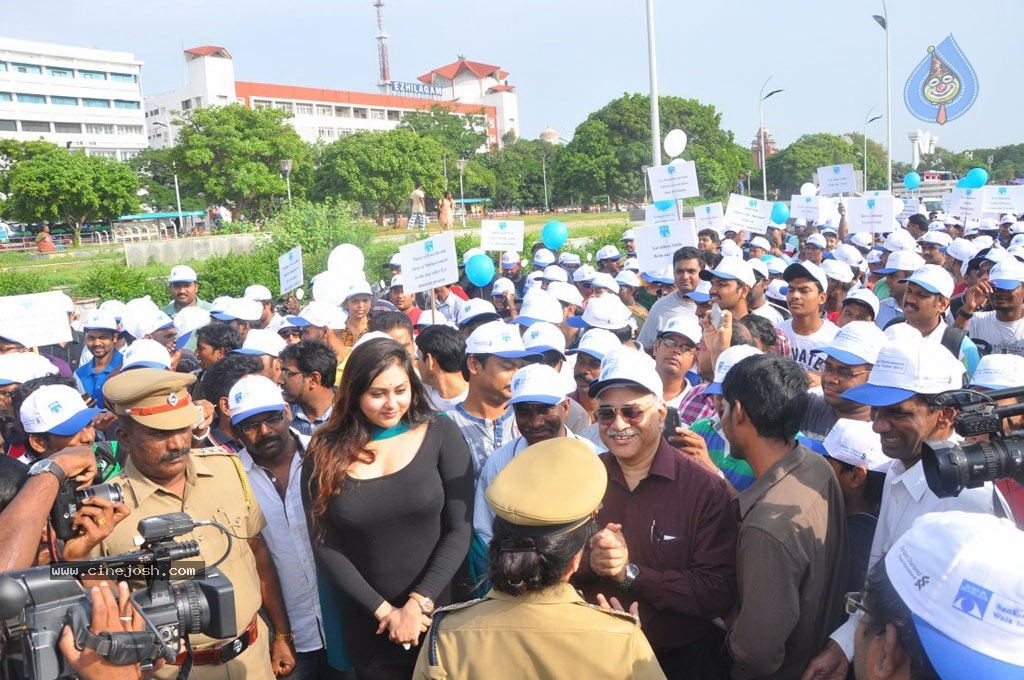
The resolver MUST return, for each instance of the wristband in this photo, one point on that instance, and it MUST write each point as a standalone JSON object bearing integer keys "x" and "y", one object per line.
{"x": 965, "y": 314}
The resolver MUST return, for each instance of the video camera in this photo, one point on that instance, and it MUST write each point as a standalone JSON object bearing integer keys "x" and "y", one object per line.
{"x": 950, "y": 468}
{"x": 35, "y": 605}
{"x": 69, "y": 501}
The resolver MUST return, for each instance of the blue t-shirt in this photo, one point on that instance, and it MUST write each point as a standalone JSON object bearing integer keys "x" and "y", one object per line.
{"x": 90, "y": 382}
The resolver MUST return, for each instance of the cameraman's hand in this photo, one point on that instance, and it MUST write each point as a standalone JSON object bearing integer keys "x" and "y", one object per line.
{"x": 78, "y": 463}
{"x": 106, "y": 617}
{"x": 94, "y": 521}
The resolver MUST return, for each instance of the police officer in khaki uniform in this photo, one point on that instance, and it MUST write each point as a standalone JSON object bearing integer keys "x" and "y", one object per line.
{"x": 533, "y": 623}
{"x": 155, "y": 421}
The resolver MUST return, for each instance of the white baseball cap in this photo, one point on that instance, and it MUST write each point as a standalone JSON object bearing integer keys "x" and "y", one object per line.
{"x": 938, "y": 238}
{"x": 396, "y": 281}
{"x": 996, "y": 371}
{"x": 608, "y": 253}
{"x": 837, "y": 271}
{"x": 536, "y": 384}
{"x": 146, "y": 353}
{"x": 726, "y": 360}
{"x": 933, "y": 279}
{"x": 372, "y": 335}
{"x": 218, "y": 303}
{"x": 319, "y": 314}
{"x": 760, "y": 242}
{"x": 597, "y": 342}
{"x": 476, "y": 309}
{"x": 907, "y": 368}
{"x": 188, "y": 321}
{"x": 509, "y": 259}
{"x": 847, "y": 254}
{"x": 396, "y": 260}
{"x": 805, "y": 270}
{"x": 959, "y": 575}
{"x": 603, "y": 280}
{"x": 20, "y": 367}
{"x": 539, "y": 305}
{"x": 497, "y": 338}
{"x": 101, "y": 320}
{"x": 115, "y": 307}
{"x": 262, "y": 341}
{"x": 502, "y": 286}
{"x": 544, "y": 337}
{"x": 252, "y": 395}
{"x": 874, "y": 256}
{"x": 55, "y": 409}
{"x": 901, "y": 261}
{"x": 470, "y": 254}
{"x": 729, "y": 248}
{"x": 899, "y": 239}
{"x": 627, "y": 278}
{"x": 816, "y": 240}
{"x": 862, "y": 239}
{"x": 582, "y": 274}
{"x": 1007, "y": 274}
{"x": 777, "y": 290}
{"x": 555, "y": 273}
{"x": 566, "y": 292}
{"x": 239, "y": 309}
{"x": 431, "y": 317}
{"x": 684, "y": 325}
{"x": 732, "y": 269}
{"x": 628, "y": 367}
{"x": 631, "y": 264}
{"x": 606, "y": 312}
{"x": 776, "y": 265}
{"x": 984, "y": 241}
{"x": 759, "y": 266}
{"x": 257, "y": 292}
{"x": 628, "y": 235}
{"x": 182, "y": 273}
{"x": 571, "y": 259}
{"x": 360, "y": 287}
{"x": 855, "y": 442}
{"x": 858, "y": 342}
{"x": 142, "y": 321}
{"x": 543, "y": 257}
{"x": 864, "y": 296}
{"x": 700, "y": 294}
{"x": 960, "y": 249}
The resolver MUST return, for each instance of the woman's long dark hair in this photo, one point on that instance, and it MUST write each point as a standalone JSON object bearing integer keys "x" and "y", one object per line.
{"x": 521, "y": 564}
{"x": 342, "y": 440}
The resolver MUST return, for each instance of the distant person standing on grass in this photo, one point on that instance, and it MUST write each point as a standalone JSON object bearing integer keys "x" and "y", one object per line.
{"x": 418, "y": 218}
{"x": 446, "y": 211}
{"x": 44, "y": 242}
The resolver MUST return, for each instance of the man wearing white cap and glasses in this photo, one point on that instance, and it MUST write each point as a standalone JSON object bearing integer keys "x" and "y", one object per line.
{"x": 669, "y": 534}
{"x": 675, "y": 353}
{"x": 902, "y": 389}
{"x": 898, "y": 267}
{"x": 1003, "y": 327}
{"x": 944, "y": 603}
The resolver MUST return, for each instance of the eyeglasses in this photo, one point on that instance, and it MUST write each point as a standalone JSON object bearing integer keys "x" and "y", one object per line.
{"x": 297, "y": 333}
{"x": 252, "y": 428}
{"x": 855, "y": 604}
{"x": 842, "y": 373}
{"x": 684, "y": 346}
{"x": 288, "y": 374}
{"x": 631, "y": 413}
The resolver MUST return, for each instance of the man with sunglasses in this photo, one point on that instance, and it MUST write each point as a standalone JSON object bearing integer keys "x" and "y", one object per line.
{"x": 272, "y": 460}
{"x": 308, "y": 371}
{"x": 669, "y": 537}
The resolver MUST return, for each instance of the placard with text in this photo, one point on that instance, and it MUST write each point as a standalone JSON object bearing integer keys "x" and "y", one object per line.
{"x": 836, "y": 179}
{"x": 289, "y": 270}
{"x": 429, "y": 263}
{"x": 710, "y": 216}
{"x": 502, "y": 235}
{"x": 673, "y": 181}
{"x": 656, "y": 243}
{"x": 36, "y": 320}
{"x": 744, "y": 213}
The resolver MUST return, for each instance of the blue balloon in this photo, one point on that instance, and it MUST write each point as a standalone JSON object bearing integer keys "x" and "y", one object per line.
{"x": 780, "y": 213}
{"x": 554, "y": 235}
{"x": 911, "y": 180}
{"x": 964, "y": 184}
{"x": 480, "y": 270}
{"x": 664, "y": 205}
{"x": 977, "y": 178}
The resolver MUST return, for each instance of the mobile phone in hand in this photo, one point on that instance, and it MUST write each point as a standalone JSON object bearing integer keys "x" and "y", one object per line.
{"x": 716, "y": 315}
{"x": 672, "y": 422}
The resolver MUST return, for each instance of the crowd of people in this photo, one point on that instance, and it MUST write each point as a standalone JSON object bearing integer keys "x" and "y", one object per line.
{"x": 713, "y": 470}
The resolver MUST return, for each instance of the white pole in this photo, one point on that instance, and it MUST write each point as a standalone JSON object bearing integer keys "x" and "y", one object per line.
{"x": 177, "y": 195}
{"x": 653, "y": 67}
{"x": 462, "y": 197}
{"x": 288, "y": 183}
{"x": 888, "y": 103}
{"x": 760, "y": 132}
{"x": 544, "y": 170}
{"x": 865, "y": 156}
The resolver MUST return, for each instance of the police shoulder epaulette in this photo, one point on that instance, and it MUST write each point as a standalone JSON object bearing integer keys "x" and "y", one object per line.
{"x": 626, "y": 616}
{"x": 243, "y": 478}
{"x": 459, "y": 605}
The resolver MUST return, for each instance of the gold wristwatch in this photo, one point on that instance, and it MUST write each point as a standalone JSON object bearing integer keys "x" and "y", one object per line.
{"x": 425, "y": 603}
{"x": 290, "y": 637}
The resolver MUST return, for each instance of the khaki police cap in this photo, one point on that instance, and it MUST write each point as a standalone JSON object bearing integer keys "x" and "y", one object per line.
{"x": 550, "y": 487}
{"x": 153, "y": 397}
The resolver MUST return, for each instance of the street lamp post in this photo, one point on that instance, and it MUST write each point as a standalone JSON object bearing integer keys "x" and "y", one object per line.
{"x": 760, "y": 132}
{"x": 461, "y": 164}
{"x": 177, "y": 191}
{"x": 883, "y": 21}
{"x": 652, "y": 65}
{"x": 286, "y": 170}
{"x": 544, "y": 172}
{"x": 868, "y": 120}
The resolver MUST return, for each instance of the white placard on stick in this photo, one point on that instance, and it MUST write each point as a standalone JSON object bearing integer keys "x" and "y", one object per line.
{"x": 289, "y": 270}
{"x": 653, "y": 214}
{"x": 967, "y": 203}
{"x": 869, "y": 214}
{"x": 36, "y": 320}
{"x": 673, "y": 181}
{"x": 1003, "y": 200}
{"x": 656, "y": 243}
{"x": 804, "y": 207}
{"x": 744, "y": 213}
{"x": 429, "y": 263}
{"x": 837, "y": 179}
{"x": 710, "y": 216}
{"x": 502, "y": 235}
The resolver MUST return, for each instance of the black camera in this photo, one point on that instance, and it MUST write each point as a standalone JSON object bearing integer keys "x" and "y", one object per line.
{"x": 35, "y": 605}
{"x": 69, "y": 501}
{"x": 950, "y": 468}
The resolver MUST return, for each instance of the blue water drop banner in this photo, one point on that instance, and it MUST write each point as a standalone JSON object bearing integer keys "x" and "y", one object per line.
{"x": 943, "y": 86}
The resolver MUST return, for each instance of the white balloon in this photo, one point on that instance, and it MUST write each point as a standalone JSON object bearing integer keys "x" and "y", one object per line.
{"x": 808, "y": 189}
{"x": 675, "y": 143}
{"x": 897, "y": 206}
{"x": 330, "y": 286}
{"x": 345, "y": 258}
{"x": 677, "y": 161}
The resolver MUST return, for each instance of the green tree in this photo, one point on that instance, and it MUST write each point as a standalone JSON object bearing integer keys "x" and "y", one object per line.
{"x": 60, "y": 186}
{"x": 608, "y": 150}
{"x": 460, "y": 135}
{"x": 519, "y": 169}
{"x": 797, "y": 163}
{"x": 378, "y": 170}
{"x": 231, "y": 155}
{"x": 156, "y": 178}
{"x": 13, "y": 152}
{"x": 950, "y": 161}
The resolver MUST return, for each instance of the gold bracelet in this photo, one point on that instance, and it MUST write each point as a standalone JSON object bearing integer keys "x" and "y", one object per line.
{"x": 290, "y": 637}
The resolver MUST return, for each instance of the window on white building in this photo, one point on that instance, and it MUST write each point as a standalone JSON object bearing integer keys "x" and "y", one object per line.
{"x": 31, "y": 98}
{"x": 394, "y": 115}
{"x": 326, "y": 133}
{"x": 63, "y": 101}
{"x": 8, "y": 126}
{"x": 129, "y": 129}
{"x": 95, "y": 103}
{"x": 99, "y": 128}
{"x": 260, "y": 104}
{"x": 92, "y": 75}
{"x": 376, "y": 114}
{"x": 35, "y": 126}
{"x": 344, "y": 131}
{"x": 128, "y": 155}
{"x": 33, "y": 69}
{"x": 5, "y": 97}
{"x": 68, "y": 128}
{"x": 324, "y": 110}
{"x": 343, "y": 111}
{"x": 60, "y": 72}
{"x": 103, "y": 153}
{"x": 3, "y": 65}
{"x": 122, "y": 77}
{"x": 283, "y": 106}
{"x": 186, "y": 104}
{"x": 359, "y": 113}
{"x": 124, "y": 104}
{"x": 304, "y": 109}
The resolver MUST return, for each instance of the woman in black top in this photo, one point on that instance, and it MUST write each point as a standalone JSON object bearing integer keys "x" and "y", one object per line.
{"x": 390, "y": 498}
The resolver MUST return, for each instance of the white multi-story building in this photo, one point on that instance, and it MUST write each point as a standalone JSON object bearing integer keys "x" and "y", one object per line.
{"x": 470, "y": 82}
{"x": 72, "y": 96}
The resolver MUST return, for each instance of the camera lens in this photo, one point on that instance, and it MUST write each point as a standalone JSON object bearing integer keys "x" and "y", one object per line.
{"x": 110, "y": 491}
{"x": 949, "y": 469}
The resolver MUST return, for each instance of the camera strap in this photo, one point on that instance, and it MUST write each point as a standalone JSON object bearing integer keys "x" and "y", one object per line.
{"x": 186, "y": 668}
{"x": 121, "y": 649}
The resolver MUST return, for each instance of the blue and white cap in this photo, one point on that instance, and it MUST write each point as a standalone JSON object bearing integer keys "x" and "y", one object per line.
{"x": 1007, "y": 274}
{"x": 101, "y": 320}
{"x": 628, "y": 367}
{"x": 146, "y": 353}
{"x": 700, "y": 294}
{"x": 476, "y": 309}
{"x": 537, "y": 384}
{"x": 997, "y": 371}
{"x": 685, "y": 325}
{"x": 262, "y": 341}
{"x": 252, "y": 395}
{"x": 858, "y": 342}
{"x": 188, "y": 321}
{"x": 55, "y": 409}
{"x": 932, "y": 278}
{"x": 598, "y": 343}
{"x": 854, "y": 442}
{"x": 20, "y": 367}
{"x": 606, "y": 312}
{"x": 497, "y": 338}
{"x": 544, "y": 337}
{"x": 539, "y": 305}
{"x": 906, "y": 368}
{"x": 726, "y": 360}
